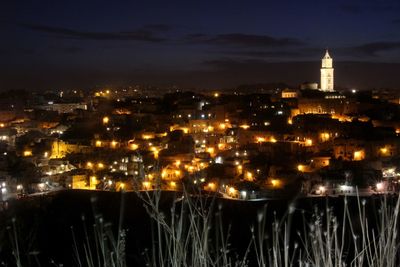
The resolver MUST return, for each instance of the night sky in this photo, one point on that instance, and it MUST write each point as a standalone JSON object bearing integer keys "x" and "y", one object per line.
{"x": 210, "y": 44}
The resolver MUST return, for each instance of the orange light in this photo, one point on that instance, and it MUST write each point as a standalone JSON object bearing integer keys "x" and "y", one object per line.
{"x": 146, "y": 185}
{"x": 98, "y": 143}
{"x": 358, "y": 155}
{"x": 133, "y": 146}
{"x": 260, "y": 139}
{"x": 300, "y": 167}
{"x": 210, "y": 150}
{"x": 211, "y": 186}
{"x": 27, "y": 153}
{"x": 106, "y": 120}
{"x": 231, "y": 190}
{"x": 275, "y": 182}
{"x": 146, "y": 136}
{"x": 114, "y": 144}
{"x": 249, "y": 176}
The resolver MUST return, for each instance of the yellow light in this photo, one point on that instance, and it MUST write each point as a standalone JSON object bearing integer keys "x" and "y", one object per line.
{"x": 106, "y": 120}
{"x": 133, "y": 146}
{"x": 384, "y": 150}
{"x": 93, "y": 178}
{"x": 172, "y": 184}
{"x": 309, "y": 142}
{"x": 27, "y": 153}
{"x": 114, "y": 143}
{"x": 146, "y": 136}
{"x": 358, "y": 155}
{"x": 210, "y": 150}
{"x": 275, "y": 182}
{"x": 163, "y": 174}
{"x": 107, "y": 91}
{"x": 2, "y": 125}
{"x": 100, "y": 165}
{"x": 289, "y": 121}
{"x": 244, "y": 126}
{"x": 177, "y": 172}
{"x": 232, "y": 190}
{"x": 89, "y": 164}
{"x": 177, "y": 163}
{"x": 249, "y": 176}
{"x": 325, "y": 136}
{"x": 240, "y": 167}
{"x": 146, "y": 185}
{"x": 98, "y": 143}
{"x": 222, "y": 126}
{"x": 216, "y": 95}
{"x": 122, "y": 186}
{"x": 210, "y": 128}
{"x": 211, "y": 186}
{"x": 260, "y": 139}
{"x": 300, "y": 167}
{"x": 272, "y": 140}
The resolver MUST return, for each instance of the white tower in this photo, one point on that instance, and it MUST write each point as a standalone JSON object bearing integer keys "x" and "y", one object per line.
{"x": 327, "y": 73}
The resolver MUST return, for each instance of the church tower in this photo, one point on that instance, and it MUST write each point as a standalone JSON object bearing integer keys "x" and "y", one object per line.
{"x": 327, "y": 73}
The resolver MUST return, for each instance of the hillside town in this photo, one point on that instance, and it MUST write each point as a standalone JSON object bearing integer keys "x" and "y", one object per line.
{"x": 252, "y": 142}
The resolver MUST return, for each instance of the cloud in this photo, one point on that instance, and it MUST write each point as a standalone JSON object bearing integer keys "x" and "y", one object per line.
{"x": 143, "y": 34}
{"x": 373, "y": 49}
{"x": 241, "y": 39}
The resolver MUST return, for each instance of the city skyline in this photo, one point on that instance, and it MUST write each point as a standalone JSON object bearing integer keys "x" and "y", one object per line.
{"x": 201, "y": 44}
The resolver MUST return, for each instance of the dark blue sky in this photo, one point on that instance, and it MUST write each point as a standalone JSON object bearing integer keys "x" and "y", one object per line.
{"x": 56, "y": 44}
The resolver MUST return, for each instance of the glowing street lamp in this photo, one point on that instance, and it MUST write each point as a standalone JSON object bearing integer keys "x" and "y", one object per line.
{"x": 379, "y": 186}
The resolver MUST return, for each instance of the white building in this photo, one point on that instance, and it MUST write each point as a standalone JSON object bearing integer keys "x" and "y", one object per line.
{"x": 327, "y": 73}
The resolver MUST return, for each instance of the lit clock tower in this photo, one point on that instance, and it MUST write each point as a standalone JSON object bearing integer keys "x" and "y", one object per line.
{"x": 327, "y": 73}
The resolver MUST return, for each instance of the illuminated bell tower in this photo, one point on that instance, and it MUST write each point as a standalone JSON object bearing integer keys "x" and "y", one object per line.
{"x": 327, "y": 73}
